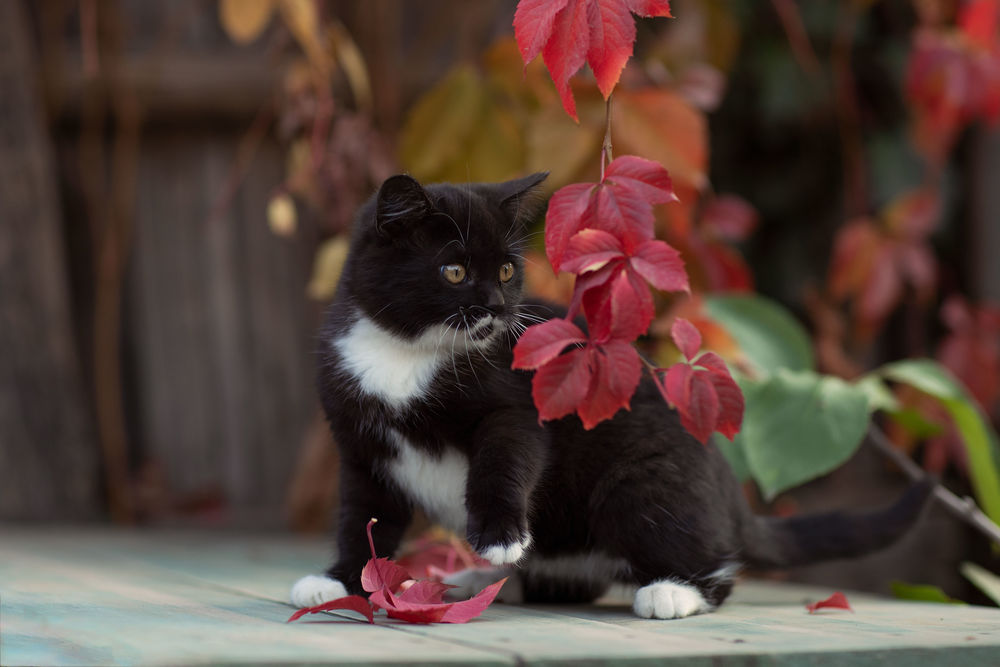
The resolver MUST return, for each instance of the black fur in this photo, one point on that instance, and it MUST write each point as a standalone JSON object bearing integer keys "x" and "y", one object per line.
{"x": 637, "y": 489}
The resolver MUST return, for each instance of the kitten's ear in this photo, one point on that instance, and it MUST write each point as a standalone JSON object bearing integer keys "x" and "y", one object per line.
{"x": 520, "y": 198}
{"x": 400, "y": 198}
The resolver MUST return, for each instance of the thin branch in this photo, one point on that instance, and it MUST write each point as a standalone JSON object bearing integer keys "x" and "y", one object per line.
{"x": 606, "y": 155}
{"x": 963, "y": 508}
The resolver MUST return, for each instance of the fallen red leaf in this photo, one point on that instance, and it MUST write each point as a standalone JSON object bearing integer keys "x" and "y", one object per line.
{"x": 836, "y": 601}
{"x": 350, "y": 603}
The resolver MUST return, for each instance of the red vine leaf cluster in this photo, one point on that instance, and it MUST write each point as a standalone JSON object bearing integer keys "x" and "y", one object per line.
{"x": 875, "y": 259}
{"x": 953, "y": 77}
{"x": 405, "y": 599}
{"x": 704, "y": 393}
{"x": 569, "y": 33}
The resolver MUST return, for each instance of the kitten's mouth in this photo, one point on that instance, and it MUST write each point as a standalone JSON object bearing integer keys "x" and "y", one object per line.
{"x": 482, "y": 328}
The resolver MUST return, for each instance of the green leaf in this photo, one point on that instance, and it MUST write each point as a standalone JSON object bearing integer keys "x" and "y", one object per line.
{"x": 921, "y": 593}
{"x": 916, "y": 424}
{"x": 799, "y": 425}
{"x": 879, "y": 396}
{"x": 978, "y": 436}
{"x": 734, "y": 454}
{"x": 769, "y": 336}
{"x": 982, "y": 579}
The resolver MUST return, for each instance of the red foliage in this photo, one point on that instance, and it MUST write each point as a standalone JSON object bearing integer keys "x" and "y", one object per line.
{"x": 402, "y": 598}
{"x": 972, "y": 348}
{"x": 569, "y": 33}
{"x": 702, "y": 390}
{"x": 836, "y": 601}
{"x": 873, "y": 260}
{"x": 953, "y": 76}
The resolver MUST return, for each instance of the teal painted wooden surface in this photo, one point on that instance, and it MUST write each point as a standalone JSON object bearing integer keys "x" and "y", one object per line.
{"x": 97, "y": 596}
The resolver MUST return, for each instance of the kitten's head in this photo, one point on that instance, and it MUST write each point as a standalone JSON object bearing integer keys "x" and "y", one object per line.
{"x": 443, "y": 259}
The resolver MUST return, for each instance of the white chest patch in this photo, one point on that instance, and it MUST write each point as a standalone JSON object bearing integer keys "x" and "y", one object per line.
{"x": 436, "y": 484}
{"x": 388, "y": 367}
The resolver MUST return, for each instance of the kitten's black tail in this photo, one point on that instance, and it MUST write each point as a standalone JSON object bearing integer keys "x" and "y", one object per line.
{"x": 787, "y": 542}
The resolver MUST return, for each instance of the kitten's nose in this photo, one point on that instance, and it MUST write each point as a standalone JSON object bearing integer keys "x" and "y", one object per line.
{"x": 495, "y": 298}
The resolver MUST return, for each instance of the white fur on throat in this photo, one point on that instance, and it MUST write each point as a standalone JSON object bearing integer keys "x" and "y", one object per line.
{"x": 389, "y": 367}
{"x": 313, "y": 589}
{"x": 669, "y": 599}
{"x": 435, "y": 483}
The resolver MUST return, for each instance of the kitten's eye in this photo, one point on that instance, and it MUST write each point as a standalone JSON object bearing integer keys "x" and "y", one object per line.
{"x": 453, "y": 273}
{"x": 506, "y": 272}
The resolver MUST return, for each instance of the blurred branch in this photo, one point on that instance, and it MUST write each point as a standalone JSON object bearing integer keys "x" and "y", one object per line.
{"x": 798, "y": 38}
{"x": 963, "y": 508}
{"x": 249, "y": 145}
{"x": 848, "y": 111}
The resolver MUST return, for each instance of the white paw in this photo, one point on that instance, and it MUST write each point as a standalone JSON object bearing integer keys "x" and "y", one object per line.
{"x": 507, "y": 554}
{"x": 669, "y": 599}
{"x": 312, "y": 590}
{"x": 469, "y": 582}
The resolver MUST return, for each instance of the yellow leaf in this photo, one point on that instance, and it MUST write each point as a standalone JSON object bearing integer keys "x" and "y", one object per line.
{"x": 558, "y": 145}
{"x": 439, "y": 129}
{"x": 281, "y": 215}
{"x": 245, "y": 20}
{"x": 660, "y": 125}
{"x": 327, "y": 267}
{"x": 303, "y": 22}
{"x": 353, "y": 65}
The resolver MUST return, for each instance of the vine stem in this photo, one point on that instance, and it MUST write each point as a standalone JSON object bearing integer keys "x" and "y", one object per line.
{"x": 606, "y": 155}
{"x": 963, "y": 508}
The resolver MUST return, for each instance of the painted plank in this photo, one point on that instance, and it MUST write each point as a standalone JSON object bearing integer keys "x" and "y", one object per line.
{"x": 236, "y": 586}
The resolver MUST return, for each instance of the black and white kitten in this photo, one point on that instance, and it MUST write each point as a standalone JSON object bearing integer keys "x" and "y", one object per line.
{"x": 416, "y": 382}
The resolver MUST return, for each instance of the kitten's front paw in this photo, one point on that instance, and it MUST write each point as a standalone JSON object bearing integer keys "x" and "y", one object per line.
{"x": 669, "y": 599}
{"x": 312, "y": 590}
{"x": 506, "y": 552}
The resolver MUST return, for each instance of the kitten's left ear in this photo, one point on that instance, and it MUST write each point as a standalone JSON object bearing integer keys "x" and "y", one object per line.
{"x": 400, "y": 198}
{"x": 519, "y": 198}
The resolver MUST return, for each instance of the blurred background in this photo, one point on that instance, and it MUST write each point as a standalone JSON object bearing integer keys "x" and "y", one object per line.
{"x": 177, "y": 180}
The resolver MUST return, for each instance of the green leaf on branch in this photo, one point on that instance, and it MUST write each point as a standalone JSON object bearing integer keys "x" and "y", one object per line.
{"x": 982, "y": 579}
{"x": 921, "y": 593}
{"x": 978, "y": 436}
{"x": 769, "y": 336}
{"x": 879, "y": 395}
{"x": 799, "y": 425}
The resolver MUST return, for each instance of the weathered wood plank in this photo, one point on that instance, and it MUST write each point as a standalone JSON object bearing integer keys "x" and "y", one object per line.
{"x": 227, "y": 591}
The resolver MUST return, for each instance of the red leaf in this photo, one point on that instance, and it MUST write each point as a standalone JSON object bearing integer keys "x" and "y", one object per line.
{"x": 620, "y": 307}
{"x": 533, "y": 21}
{"x": 661, "y": 265}
{"x": 612, "y": 33}
{"x": 351, "y": 603}
{"x": 382, "y": 573}
{"x": 701, "y": 413}
{"x": 560, "y": 385}
{"x": 686, "y": 336}
{"x": 731, "y": 404}
{"x": 426, "y": 591}
{"x": 836, "y": 601}
{"x": 444, "y": 612}
{"x": 623, "y": 212}
{"x": 729, "y": 217}
{"x": 564, "y": 218}
{"x": 978, "y": 19}
{"x": 543, "y": 342}
{"x": 569, "y": 33}
{"x": 617, "y": 369}
{"x": 590, "y": 250}
{"x": 646, "y": 178}
{"x": 677, "y": 384}
{"x": 650, "y": 7}
{"x": 566, "y": 49}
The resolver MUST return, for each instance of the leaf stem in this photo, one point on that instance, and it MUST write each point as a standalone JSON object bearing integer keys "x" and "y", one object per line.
{"x": 371, "y": 542}
{"x": 963, "y": 508}
{"x": 606, "y": 155}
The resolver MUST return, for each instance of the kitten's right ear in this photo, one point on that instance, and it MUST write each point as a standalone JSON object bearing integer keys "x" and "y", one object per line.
{"x": 400, "y": 198}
